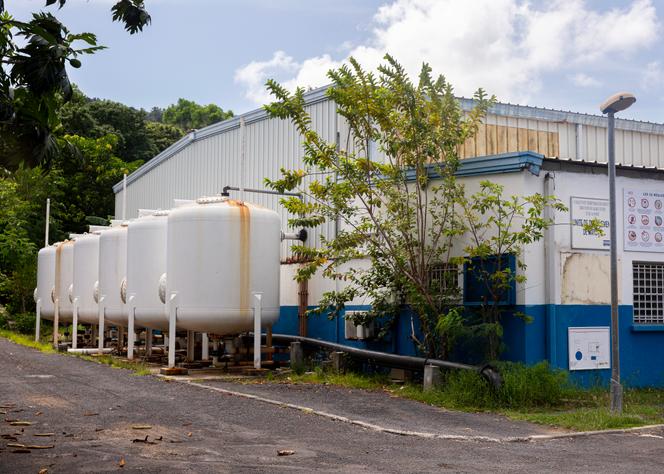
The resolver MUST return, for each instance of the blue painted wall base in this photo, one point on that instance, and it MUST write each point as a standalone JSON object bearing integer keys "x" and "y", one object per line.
{"x": 544, "y": 338}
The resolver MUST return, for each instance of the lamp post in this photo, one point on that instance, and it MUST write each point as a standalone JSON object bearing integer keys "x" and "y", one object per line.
{"x": 613, "y": 104}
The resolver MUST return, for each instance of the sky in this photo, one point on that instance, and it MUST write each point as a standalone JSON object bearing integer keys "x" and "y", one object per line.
{"x": 565, "y": 54}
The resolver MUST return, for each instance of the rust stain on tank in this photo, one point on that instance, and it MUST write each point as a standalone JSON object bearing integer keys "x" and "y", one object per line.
{"x": 245, "y": 253}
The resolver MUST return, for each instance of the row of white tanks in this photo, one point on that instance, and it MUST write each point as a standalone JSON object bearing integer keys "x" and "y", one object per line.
{"x": 206, "y": 258}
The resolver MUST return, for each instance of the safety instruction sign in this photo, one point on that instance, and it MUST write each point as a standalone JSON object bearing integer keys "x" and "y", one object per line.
{"x": 589, "y": 348}
{"x": 583, "y": 211}
{"x": 643, "y": 220}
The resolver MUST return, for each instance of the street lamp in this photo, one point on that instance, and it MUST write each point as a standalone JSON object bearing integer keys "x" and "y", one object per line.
{"x": 613, "y": 104}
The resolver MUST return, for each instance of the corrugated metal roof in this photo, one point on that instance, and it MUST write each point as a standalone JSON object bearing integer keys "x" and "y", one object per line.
{"x": 318, "y": 95}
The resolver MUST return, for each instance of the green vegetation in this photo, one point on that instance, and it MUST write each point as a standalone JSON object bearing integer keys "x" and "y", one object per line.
{"x": 530, "y": 393}
{"x": 391, "y": 184}
{"x": 58, "y": 143}
{"x": 138, "y": 367}
{"x": 26, "y": 340}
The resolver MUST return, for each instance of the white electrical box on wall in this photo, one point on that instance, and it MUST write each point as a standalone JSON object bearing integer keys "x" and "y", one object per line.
{"x": 589, "y": 348}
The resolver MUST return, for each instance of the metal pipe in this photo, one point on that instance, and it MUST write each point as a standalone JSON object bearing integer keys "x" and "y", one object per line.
{"x": 124, "y": 197}
{"x": 393, "y": 360}
{"x": 91, "y": 350}
{"x": 258, "y": 315}
{"x": 616, "y": 388}
{"x": 48, "y": 218}
{"x": 225, "y": 191}
{"x": 300, "y": 235}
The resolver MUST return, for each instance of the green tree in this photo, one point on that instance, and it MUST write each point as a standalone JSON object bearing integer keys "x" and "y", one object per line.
{"x": 188, "y": 115}
{"x": 163, "y": 135}
{"x": 390, "y": 187}
{"x": 389, "y": 208}
{"x": 34, "y": 80}
{"x": 91, "y": 168}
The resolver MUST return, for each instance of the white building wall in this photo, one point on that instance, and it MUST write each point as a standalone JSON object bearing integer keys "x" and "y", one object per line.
{"x": 568, "y": 184}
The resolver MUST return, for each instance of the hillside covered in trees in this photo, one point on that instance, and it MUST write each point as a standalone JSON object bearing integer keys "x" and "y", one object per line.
{"x": 94, "y": 143}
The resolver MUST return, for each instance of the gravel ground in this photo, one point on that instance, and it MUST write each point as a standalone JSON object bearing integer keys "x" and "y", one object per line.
{"x": 92, "y": 410}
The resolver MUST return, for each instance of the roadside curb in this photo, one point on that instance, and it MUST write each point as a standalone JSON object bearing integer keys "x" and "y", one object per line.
{"x": 418, "y": 434}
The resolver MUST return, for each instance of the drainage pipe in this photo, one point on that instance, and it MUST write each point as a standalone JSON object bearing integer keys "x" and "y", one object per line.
{"x": 489, "y": 372}
{"x": 91, "y": 350}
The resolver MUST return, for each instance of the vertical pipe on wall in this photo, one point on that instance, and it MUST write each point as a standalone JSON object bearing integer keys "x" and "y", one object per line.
{"x": 243, "y": 146}
{"x": 124, "y": 197}
{"x": 48, "y": 218}
{"x": 579, "y": 142}
{"x": 550, "y": 274}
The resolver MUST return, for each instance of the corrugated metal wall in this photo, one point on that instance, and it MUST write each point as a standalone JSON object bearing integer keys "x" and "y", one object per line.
{"x": 205, "y": 166}
{"x": 215, "y": 157}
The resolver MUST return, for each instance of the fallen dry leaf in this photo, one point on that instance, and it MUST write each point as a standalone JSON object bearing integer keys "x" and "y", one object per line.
{"x": 285, "y": 452}
{"x": 90, "y": 414}
{"x": 43, "y": 471}
{"x": 141, "y": 427}
{"x": 20, "y": 423}
{"x": 15, "y": 445}
{"x": 38, "y": 413}
{"x": 189, "y": 434}
{"x": 122, "y": 462}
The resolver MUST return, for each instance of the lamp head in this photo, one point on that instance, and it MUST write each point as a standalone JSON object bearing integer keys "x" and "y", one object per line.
{"x": 617, "y": 102}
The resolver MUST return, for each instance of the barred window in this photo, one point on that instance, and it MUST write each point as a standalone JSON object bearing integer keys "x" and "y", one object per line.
{"x": 648, "y": 280}
{"x": 444, "y": 280}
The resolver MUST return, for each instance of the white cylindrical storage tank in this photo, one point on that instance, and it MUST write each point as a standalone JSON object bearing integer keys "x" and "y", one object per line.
{"x": 112, "y": 273}
{"x": 146, "y": 263}
{"x": 86, "y": 273}
{"x": 64, "y": 278}
{"x": 219, "y": 252}
{"x": 46, "y": 281}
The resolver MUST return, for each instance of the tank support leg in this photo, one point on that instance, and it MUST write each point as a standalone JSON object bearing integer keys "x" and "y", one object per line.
{"x": 56, "y": 324}
{"x": 102, "y": 314}
{"x": 172, "y": 314}
{"x": 215, "y": 349}
{"x": 191, "y": 343}
{"x": 131, "y": 334}
{"x": 148, "y": 342}
{"x": 74, "y": 329}
{"x": 205, "y": 347}
{"x": 121, "y": 337}
{"x": 95, "y": 331}
{"x": 257, "y": 329}
{"x": 38, "y": 321}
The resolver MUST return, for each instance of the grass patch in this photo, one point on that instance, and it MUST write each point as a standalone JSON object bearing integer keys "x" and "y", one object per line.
{"x": 347, "y": 380}
{"x": 536, "y": 394}
{"x": 26, "y": 340}
{"x": 139, "y": 368}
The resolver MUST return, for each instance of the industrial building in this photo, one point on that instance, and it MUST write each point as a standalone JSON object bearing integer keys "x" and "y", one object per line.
{"x": 527, "y": 149}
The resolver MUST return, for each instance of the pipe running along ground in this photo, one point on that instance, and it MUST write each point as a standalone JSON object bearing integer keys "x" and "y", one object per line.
{"x": 488, "y": 372}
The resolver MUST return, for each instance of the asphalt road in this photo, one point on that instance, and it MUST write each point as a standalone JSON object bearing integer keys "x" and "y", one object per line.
{"x": 91, "y": 411}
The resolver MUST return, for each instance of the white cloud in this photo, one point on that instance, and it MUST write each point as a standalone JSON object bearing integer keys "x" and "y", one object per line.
{"x": 505, "y": 46}
{"x": 653, "y": 76}
{"x": 583, "y": 80}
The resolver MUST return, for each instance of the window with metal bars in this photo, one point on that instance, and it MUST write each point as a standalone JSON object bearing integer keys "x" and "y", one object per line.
{"x": 648, "y": 278}
{"x": 444, "y": 280}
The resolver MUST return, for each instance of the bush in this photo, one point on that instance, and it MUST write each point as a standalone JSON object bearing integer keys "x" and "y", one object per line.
{"x": 523, "y": 386}
{"x": 24, "y": 323}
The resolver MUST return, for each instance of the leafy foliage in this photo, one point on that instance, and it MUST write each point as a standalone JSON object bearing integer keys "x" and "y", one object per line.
{"x": 395, "y": 204}
{"x": 188, "y": 115}
{"x": 34, "y": 80}
{"x": 390, "y": 188}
